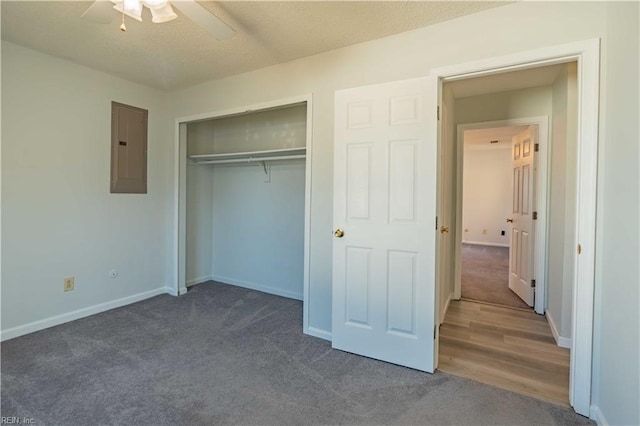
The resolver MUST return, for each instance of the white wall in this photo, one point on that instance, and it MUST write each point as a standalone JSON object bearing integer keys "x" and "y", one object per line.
{"x": 199, "y": 224}
{"x": 532, "y": 102}
{"x": 59, "y": 218}
{"x": 616, "y": 323}
{"x": 258, "y": 227}
{"x": 240, "y": 229}
{"x": 486, "y": 195}
{"x": 562, "y": 200}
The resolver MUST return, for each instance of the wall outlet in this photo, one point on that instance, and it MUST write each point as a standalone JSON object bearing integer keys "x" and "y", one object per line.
{"x": 69, "y": 283}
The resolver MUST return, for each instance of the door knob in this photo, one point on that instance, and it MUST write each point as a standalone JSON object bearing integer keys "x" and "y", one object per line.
{"x": 510, "y": 220}
{"x": 339, "y": 233}
{"x": 444, "y": 229}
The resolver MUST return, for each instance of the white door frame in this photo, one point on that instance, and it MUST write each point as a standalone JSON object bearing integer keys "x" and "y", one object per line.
{"x": 178, "y": 287}
{"x": 542, "y": 191}
{"x": 587, "y": 55}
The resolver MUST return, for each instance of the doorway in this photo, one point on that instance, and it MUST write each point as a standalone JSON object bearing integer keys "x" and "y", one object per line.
{"x": 493, "y": 198}
{"x": 361, "y": 296}
{"x": 489, "y": 187}
{"x": 256, "y": 161}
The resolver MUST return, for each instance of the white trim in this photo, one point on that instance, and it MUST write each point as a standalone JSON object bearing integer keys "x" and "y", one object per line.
{"x": 542, "y": 191}
{"x": 443, "y": 314}
{"x": 587, "y": 54}
{"x": 199, "y": 280}
{"x": 179, "y": 226}
{"x": 563, "y": 342}
{"x": 321, "y": 334}
{"x": 307, "y": 220}
{"x": 172, "y": 291}
{"x": 597, "y": 416}
{"x": 259, "y": 287}
{"x": 31, "y": 327}
{"x": 482, "y": 243}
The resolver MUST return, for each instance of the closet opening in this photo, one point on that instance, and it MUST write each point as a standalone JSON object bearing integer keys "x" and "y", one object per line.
{"x": 244, "y": 198}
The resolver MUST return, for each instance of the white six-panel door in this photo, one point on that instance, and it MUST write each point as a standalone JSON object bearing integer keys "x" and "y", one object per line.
{"x": 384, "y": 221}
{"x": 521, "y": 266}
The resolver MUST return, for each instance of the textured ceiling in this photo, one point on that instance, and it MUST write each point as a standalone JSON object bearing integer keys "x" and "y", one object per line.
{"x": 179, "y": 53}
{"x": 481, "y": 138}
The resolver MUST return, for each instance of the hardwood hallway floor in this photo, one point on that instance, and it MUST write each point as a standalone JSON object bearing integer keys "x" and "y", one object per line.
{"x": 509, "y": 348}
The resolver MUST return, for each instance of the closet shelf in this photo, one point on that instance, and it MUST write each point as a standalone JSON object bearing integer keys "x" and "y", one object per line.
{"x": 250, "y": 156}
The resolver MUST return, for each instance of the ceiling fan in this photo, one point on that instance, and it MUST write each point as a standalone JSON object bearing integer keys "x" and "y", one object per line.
{"x": 105, "y": 11}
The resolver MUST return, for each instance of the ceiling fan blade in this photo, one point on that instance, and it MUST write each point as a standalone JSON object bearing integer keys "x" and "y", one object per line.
{"x": 100, "y": 12}
{"x": 201, "y": 16}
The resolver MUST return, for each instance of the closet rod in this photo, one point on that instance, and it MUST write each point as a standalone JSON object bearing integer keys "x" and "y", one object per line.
{"x": 253, "y": 159}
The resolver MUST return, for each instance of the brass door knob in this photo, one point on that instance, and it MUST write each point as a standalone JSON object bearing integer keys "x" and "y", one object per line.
{"x": 444, "y": 229}
{"x": 339, "y": 233}
{"x": 510, "y": 220}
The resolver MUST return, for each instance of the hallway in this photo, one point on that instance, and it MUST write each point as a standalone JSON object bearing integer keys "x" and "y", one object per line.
{"x": 485, "y": 275}
{"x": 508, "y": 348}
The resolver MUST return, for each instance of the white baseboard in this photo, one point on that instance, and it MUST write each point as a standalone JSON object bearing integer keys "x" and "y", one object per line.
{"x": 199, "y": 280}
{"x": 481, "y": 243}
{"x": 172, "y": 291}
{"x": 316, "y": 332}
{"x": 31, "y": 327}
{"x": 443, "y": 314}
{"x": 563, "y": 342}
{"x": 259, "y": 287}
{"x": 596, "y": 415}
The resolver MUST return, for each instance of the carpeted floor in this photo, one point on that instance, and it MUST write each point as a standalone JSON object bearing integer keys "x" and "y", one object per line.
{"x": 485, "y": 275}
{"x": 227, "y": 355}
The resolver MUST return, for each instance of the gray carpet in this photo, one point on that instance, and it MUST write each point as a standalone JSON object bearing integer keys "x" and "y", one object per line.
{"x": 227, "y": 355}
{"x": 485, "y": 275}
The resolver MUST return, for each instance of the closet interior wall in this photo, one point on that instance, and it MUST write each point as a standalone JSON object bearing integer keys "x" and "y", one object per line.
{"x": 245, "y": 220}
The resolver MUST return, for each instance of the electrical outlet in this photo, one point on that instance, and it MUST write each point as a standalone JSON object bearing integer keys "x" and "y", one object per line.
{"x": 69, "y": 283}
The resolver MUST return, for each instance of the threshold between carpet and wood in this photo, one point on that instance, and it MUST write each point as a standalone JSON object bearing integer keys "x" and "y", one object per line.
{"x": 227, "y": 355}
{"x": 485, "y": 275}
{"x": 510, "y": 348}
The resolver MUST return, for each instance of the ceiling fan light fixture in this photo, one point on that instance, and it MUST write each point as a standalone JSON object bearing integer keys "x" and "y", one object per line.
{"x": 155, "y": 4}
{"x": 162, "y": 14}
{"x": 132, "y": 8}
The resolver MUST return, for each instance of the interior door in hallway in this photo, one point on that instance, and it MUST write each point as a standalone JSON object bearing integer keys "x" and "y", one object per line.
{"x": 385, "y": 159}
{"x": 521, "y": 256}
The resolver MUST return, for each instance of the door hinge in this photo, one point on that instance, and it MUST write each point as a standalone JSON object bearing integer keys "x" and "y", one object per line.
{"x": 533, "y": 283}
{"x": 436, "y": 222}
{"x": 536, "y": 147}
{"x": 535, "y": 215}
{"x": 438, "y": 112}
{"x": 579, "y": 249}
{"x": 435, "y": 327}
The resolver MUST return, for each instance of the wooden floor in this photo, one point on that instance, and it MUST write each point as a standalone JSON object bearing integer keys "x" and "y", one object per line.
{"x": 509, "y": 348}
